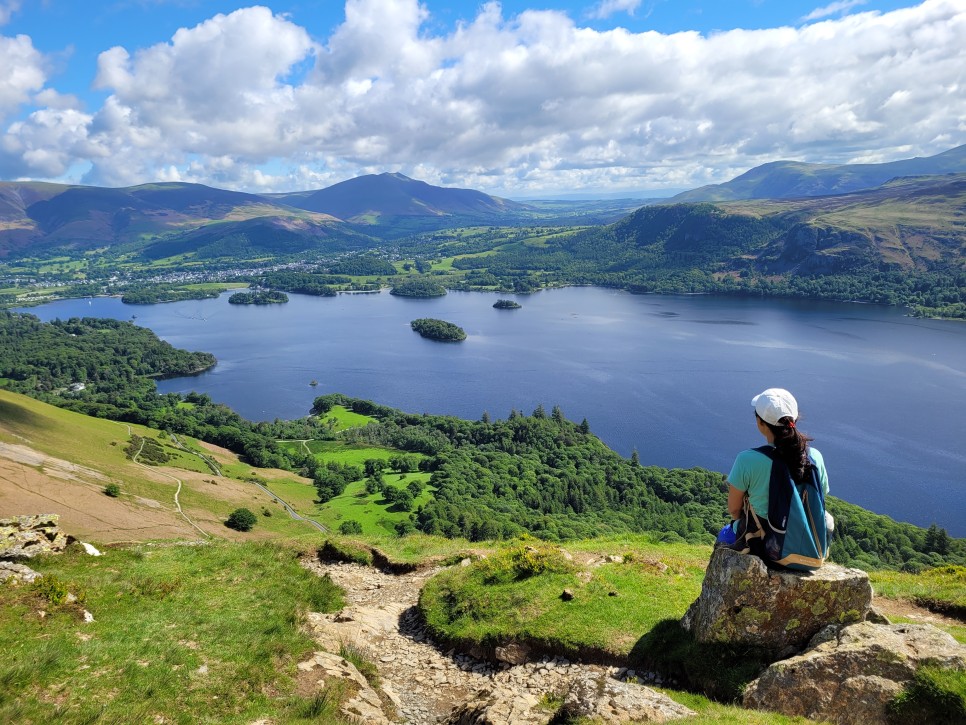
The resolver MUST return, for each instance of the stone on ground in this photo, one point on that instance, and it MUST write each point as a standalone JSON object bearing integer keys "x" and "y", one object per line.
{"x": 744, "y": 602}
{"x": 24, "y": 537}
{"x": 850, "y": 673}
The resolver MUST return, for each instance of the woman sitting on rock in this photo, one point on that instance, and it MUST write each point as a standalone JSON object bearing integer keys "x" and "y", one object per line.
{"x": 776, "y": 416}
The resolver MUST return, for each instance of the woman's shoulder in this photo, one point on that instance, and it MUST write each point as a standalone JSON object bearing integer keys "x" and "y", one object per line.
{"x": 753, "y": 457}
{"x": 816, "y": 455}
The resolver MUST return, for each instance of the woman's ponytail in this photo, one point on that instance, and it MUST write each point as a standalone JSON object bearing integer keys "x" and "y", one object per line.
{"x": 792, "y": 446}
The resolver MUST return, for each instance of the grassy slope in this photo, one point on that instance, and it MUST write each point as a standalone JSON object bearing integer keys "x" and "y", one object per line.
{"x": 624, "y": 608}
{"x": 180, "y": 634}
{"x": 87, "y": 453}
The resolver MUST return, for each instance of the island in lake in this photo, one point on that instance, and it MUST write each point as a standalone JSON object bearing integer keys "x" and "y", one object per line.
{"x": 507, "y": 305}
{"x": 438, "y": 330}
{"x": 258, "y": 298}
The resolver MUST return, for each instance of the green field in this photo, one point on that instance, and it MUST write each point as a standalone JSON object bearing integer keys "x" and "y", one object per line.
{"x": 344, "y": 418}
{"x": 375, "y": 514}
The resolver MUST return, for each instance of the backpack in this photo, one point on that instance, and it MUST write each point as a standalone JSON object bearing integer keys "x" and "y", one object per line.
{"x": 794, "y": 534}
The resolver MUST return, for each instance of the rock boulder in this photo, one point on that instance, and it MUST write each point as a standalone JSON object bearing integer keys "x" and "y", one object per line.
{"x": 23, "y": 537}
{"x": 849, "y": 674}
{"x": 744, "y": 602}
{"x": 606, "y": 700}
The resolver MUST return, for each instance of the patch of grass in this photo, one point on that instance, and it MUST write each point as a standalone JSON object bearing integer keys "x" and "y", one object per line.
{"x": 345, "y": 551}
{"x": 362, "y": 659}
{"x": 348, "y": 454}
{"x": 343, "y": 418}
{"x": 418, "y": 547}
{"x": 321, "y": 707}
{"x": 373, "y": 512}
{"x": 942, "y": 589}
{"x": 181, "y": 634}
{"x": 935, "y": 695}
{"x": 717, "y": 713}
{"x": 517, "y": 595}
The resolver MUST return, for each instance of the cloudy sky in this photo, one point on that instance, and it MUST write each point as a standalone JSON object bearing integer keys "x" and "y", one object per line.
{"x": 519, "y": 98}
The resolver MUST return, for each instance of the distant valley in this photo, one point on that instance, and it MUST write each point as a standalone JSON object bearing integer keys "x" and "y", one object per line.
{"x": 781, "y": 228}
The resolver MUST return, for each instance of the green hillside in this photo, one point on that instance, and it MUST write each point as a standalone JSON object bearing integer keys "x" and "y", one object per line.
{"x": 49, "y": 219}
{"x": 901, "y": 243}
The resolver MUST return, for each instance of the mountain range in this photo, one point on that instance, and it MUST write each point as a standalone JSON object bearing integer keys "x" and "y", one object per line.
{"x": 904, "y": 212}
{"x": 794, "y": 179}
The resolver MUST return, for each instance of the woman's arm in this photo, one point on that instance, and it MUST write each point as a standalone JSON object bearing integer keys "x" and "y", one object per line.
{"x": 736, "y": 501}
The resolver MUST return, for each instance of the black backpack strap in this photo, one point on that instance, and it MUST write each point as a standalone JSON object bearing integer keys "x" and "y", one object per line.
{"x": 781, "y": 488}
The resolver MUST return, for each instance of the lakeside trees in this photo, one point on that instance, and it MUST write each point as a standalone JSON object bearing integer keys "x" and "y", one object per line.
{"x": 267, "y": 297}
{"x": 418, "y": 287}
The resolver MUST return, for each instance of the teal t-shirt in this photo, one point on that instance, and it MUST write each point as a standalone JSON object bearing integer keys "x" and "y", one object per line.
{"x": 752, "y": 473}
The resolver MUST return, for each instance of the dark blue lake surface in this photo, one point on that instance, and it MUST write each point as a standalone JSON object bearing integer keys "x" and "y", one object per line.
{"x": 883, "y": 395}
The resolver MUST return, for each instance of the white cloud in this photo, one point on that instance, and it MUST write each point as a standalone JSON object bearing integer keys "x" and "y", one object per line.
{"x": 23, "y": 72}
{"x": 8, "y": 8}
{"x": 836, "y": 8}
{"x": 520, "y": 104}
{"x": 606, "y": 8}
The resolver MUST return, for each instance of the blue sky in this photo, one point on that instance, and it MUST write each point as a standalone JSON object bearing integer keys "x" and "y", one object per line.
{"x": 515, "y": 98}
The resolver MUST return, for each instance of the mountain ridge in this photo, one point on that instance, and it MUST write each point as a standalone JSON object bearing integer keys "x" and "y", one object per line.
{"x": 793, "y": 179}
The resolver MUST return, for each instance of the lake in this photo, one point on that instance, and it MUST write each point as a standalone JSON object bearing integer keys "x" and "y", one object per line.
{"x": 883, "y": 395}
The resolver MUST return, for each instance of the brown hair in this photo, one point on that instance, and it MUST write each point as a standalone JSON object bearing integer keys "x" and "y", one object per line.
{"x": 792, "y": 446}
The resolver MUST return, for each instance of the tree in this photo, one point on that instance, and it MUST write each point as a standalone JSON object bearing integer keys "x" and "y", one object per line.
{"x": 112, "y": 490}
{"x": 372, "y": 467}
{"x": 486, "y": 418}
{"x": 350, "y": 527}
{"x": 241, "y": 520}
{"x": 415, "y": 488}
{"x": 635, "y": 458}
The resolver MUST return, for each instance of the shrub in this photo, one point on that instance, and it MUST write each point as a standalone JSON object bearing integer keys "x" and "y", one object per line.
{"x": 52, "y": 589}
{"x": 112, "y": 490}
{"x": 241, "y": 520}
{"x": 350, "y": 527}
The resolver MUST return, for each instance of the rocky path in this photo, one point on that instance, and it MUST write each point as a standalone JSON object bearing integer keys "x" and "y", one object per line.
{"x": 428, "y": 685}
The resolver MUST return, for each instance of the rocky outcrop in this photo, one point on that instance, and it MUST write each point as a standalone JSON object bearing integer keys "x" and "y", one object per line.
{"x": 744, "y": 602}
{"x": 500, "y": 705}
{"x": 365, "y": 704}
{"x": 591, "y": 694}
{"x": 606, "y": 700}
{"x": 23, "y": 537}
{"x": 849, "y": 674}
{"x": 12, "y": 572}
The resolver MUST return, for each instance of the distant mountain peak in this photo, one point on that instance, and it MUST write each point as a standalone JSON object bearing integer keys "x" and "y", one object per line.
{"x": 378, "y": 198}
{"x": 798, "y": 179}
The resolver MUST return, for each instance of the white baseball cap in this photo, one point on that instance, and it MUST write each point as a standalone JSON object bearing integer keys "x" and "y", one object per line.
{"x": 774, "y": 404}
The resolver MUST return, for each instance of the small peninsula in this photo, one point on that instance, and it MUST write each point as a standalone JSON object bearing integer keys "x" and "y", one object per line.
{"x": 438, "y": 330}
{"x": 258, "y": 298}
{"x": 507, "y": 305}
{"x": 417, "y": 287}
